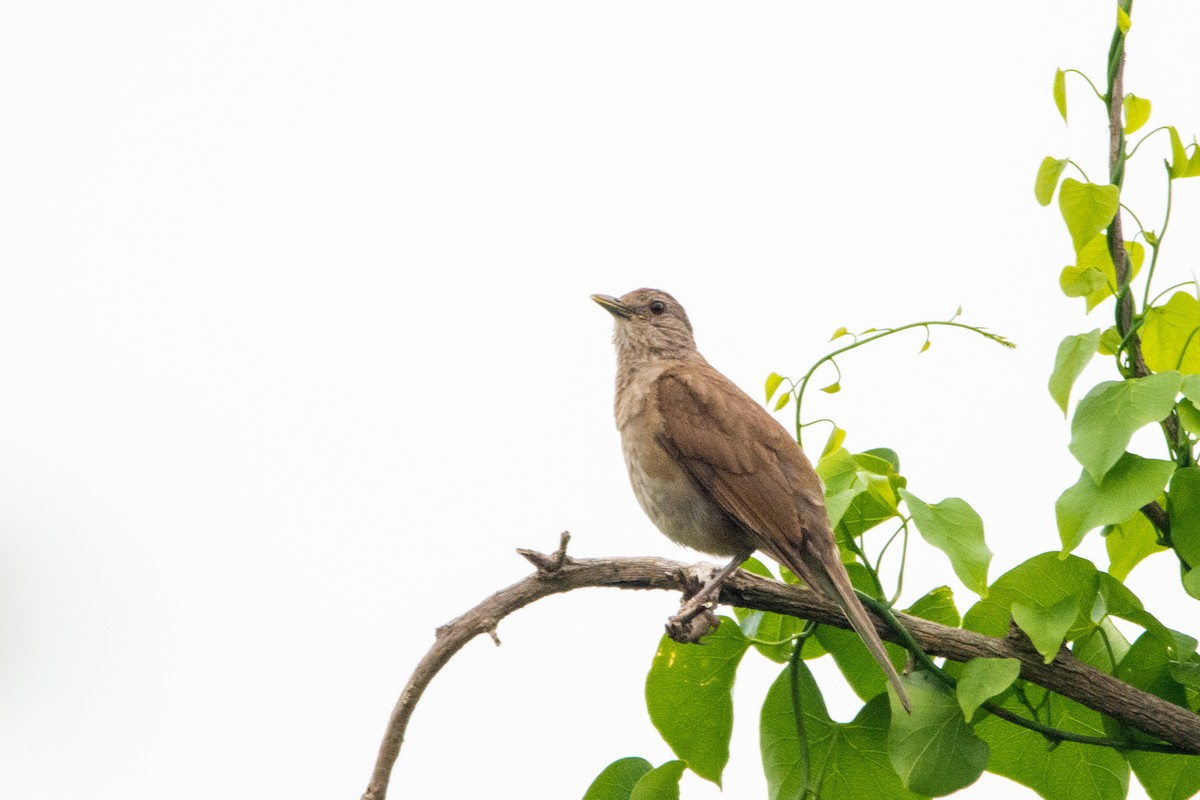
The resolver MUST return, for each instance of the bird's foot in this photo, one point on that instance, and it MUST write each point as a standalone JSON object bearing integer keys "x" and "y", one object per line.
{"x": 687, "y": 627}
{"x": 696, "y": 618}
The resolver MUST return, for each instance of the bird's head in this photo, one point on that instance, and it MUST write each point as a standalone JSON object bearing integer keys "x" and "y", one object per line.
{"x": 650, "y": 323}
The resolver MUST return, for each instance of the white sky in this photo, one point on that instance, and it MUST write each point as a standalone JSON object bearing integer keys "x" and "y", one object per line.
{"x": 297, "y": 347}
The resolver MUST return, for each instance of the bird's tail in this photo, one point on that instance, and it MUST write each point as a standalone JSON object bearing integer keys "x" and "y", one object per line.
{"x": 826, "y": 573}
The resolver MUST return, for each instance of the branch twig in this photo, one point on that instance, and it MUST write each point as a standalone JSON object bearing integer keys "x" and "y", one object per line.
{"x": 558, "y": 573}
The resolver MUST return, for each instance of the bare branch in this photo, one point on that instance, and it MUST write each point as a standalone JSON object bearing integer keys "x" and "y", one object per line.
{"x": 557, "y": 573}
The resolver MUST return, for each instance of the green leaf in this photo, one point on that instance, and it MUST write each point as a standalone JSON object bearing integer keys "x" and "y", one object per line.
{"x": 1081, "y": 281}
{"x": 838, "y": 471}
{"x": 1087, "y": 208}
{"x": 868, "y": 499}
{"x": 786, "y": 765}
{"x": 1171, "y": 335}
{"x": 1044, "y": 580}
{"x": 1046, "y": 182}
{"x": 852, "y": 657}
{"x": 1185, "y": 673}
{"x": 783, "y": 400}
{"x": 1128, "y": 543}
{"x": 1108, "y": 415}
{"x": 937, "y": 606}
{"x": 858, "y": 490}
{"x": 1103, "y": 648}
{"x": 1047, "y": 626}
{"x": 689, "y": 697}
{"x": 1147, "y": 666}
{"x": 1191, "y": 582}
{"x": 1166, "y": 777}
{"x": 855, "y": 661}
{"x": 756, "y": 567}
{"x": 1074, "y": 353}
{"x": 875, "y": 463}
{"x": 617, "y": 780}
{"x": 953, "y": 527}
{"x": 1184, "y": 668}
{"x": 982, "y": 679}
{"x": 836, "y": 437}
{"x": 1117, "y": 600}
{"x": 850, "y": 760}
{"x": 1183, "y": 508}
{"x": 771, "y": 631}
{"x": 1179, "y": 156}
{"x": 1095, "y": 263}
{"x": 868, "y": 508}
{"x": 1191, "y": 388}
{"x": 767, "y": 626}
{"x": 1131, "y": 483}
{"x": 773, "y": 381}
{"x": 660, "y": 783}
{"x": 1067, "y": 771}
{"x": 933, "y": 749}
{"x": 1060, "y": 93}
{"x": 1189, "y": 416}
{"x": 885, "y": 454}
{"x": 1137, "y": 111}
{"x": 1193, "y": 167}
{"x": 1110, "y": 342}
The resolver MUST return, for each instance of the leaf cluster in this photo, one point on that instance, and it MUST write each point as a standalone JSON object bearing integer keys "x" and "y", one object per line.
{"x": 963, "y": 714}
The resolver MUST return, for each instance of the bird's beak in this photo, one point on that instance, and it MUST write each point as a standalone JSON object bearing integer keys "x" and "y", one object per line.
{"x": 613, "y": 306}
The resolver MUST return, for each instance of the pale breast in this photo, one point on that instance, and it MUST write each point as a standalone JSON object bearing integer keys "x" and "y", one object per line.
{"x": 668, "y": 495}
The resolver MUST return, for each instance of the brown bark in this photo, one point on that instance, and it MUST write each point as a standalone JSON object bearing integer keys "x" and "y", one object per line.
{"x": 558, "y": 573}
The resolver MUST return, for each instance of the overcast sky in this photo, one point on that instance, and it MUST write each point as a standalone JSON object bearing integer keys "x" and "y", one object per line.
{"x": 297, "y": 349}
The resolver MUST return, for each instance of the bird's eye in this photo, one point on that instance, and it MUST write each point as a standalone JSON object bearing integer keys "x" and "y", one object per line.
{"x": 657, "y": 307}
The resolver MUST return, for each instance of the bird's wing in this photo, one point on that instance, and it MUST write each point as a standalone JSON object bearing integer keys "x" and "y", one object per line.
{"x": 739, "y": 455}
{"x": 753, "y": 469}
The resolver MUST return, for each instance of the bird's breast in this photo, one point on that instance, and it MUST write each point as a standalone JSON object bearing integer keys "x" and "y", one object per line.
{"x": 675, "y": 504}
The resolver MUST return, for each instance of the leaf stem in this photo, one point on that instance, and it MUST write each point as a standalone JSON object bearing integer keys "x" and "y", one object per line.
{"x": 1144, "y": 138}
{"x": 1158, "y": 237}
{"x": 876, "y": 336}
{"x": 1086, "y": 179}
{"x": 798, "y": 707}
{"x": 1163, "y": 293}
{"x": 1089, "y": 82}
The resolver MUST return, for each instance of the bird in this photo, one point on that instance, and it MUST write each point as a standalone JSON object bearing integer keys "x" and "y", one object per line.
{"x": 712, "y": 469}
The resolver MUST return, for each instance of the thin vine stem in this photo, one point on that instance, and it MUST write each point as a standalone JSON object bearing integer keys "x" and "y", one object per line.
{"x": 1086, "y": 179}
{"x": 802, "y": 385}
{"x": 1158, "y": 238}
{"x": 1163, "y": 293}
{"x": 1144, "y": 138}
{"x": 1130, "y": 212}
{"x": 1089, "y": 82}
{"x": 805, "y": 757}
{"x": 883, "y": 550}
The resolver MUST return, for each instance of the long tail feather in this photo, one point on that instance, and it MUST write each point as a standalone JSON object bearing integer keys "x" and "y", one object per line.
{"x": 832, "y": 580}
{"x": 864, "y": 627}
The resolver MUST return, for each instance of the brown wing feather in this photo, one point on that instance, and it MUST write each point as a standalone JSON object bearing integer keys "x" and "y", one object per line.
{"x": 739, "y": 454}
{"x": 744, "y": 459}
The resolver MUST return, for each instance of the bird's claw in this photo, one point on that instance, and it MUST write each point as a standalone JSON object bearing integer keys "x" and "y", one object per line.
{"x": 688, "y": 626}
